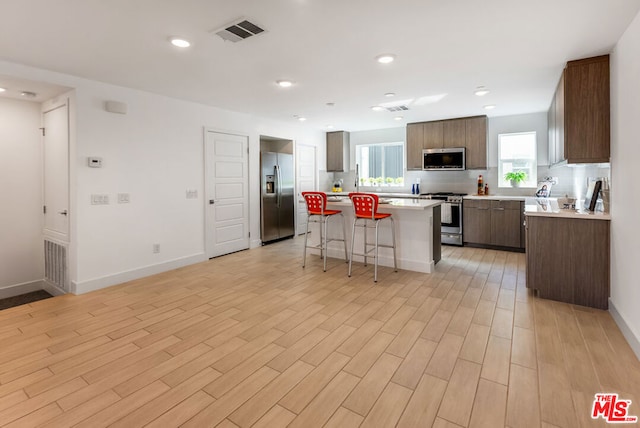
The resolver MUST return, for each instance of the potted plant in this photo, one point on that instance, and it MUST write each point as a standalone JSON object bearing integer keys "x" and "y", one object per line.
{"x": 515, "y": 177}
{"x": 389, "y": 181}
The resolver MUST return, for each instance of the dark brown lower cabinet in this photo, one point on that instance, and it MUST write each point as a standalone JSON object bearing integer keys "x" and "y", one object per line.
{"x": 568, "y": 259}
{"x": 476, "y": 221}
{"x": 493, "y": 223}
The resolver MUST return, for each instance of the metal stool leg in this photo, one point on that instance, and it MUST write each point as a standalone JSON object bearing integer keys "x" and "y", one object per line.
{"x": 375, "y": 257}
{"x": 325, "y": 222}
{"x": 393, "y": 237}
{"x": 353, "y": 238}
{"x": 364, "y": 228}
{"x": 344, "y": 238}
{"x": 306, "y": 237}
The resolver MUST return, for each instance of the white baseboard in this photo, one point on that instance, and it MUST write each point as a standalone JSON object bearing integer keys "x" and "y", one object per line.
{"x": 632, "y": 339}
{"x": 94, "y": 284}
{"x": 23, "y": 288}
{"x": 52, "y": 289}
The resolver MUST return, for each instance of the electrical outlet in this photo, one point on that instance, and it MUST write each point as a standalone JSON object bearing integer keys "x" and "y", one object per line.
{"x": 123, "y": 198}
{"x": 156, "y": 248}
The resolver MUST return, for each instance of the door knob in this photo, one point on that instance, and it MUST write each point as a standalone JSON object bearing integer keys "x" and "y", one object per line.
{"x": 211, "y": 202}
{"x": 63, "y": 212}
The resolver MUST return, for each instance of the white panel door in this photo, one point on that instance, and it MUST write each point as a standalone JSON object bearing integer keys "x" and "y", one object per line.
{"x": 227, "y": 190}
{"x": 56, "y": 172}
{"x": 306, "y": 178}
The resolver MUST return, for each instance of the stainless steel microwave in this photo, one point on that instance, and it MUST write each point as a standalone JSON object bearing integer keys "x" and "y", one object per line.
{"x": 449, "y": 159}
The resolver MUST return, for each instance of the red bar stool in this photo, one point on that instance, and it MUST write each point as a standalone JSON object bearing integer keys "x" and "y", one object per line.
{"x": 365, "y": 211}
{"x": 317, "y": 212}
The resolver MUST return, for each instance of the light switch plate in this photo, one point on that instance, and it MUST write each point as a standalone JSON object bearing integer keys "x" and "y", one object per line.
{"x": 124, "y": 198}
{"x": 99, "y": 199}
{"x": 192, "y": 194}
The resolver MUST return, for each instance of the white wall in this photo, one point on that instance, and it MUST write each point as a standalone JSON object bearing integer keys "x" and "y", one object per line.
{"x": 154, "y": 153}
{"x": 519, "y": 123}
{"x": 21, "y": 251}
{"x": 625, "y": 203}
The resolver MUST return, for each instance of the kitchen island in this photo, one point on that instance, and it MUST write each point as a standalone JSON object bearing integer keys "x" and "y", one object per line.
{"x": 417, "y": 223}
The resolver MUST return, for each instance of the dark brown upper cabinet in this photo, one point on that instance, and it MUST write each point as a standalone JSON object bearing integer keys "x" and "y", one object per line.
{"x": 579, "y": 115}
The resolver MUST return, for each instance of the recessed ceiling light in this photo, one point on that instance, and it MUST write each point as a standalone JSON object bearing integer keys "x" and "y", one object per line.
{"x": 390, "y": 94}
{"x": 302, "y": 119}
{"x": 331, "y": 104}
{"x": 28, "y": 94}
{"x": 398, "y": 118}
{"x": 377, "y": 108}
{"x": 385, "y": 58}
{"x": 2, "y": 89}
{"x": 481, "y": 91}
{"x": 489, "y": 107}
{"x": 284, "y": 83}
{"x": 330, "y": 126}
{"x": 179, "y": 42}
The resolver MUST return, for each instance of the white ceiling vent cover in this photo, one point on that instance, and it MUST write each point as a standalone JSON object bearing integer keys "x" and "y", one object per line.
{"x": 238, "y": 30}
{"x": 397, "y": 108}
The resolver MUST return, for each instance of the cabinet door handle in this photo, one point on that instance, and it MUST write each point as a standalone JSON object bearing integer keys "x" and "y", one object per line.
{"x": 499, "y": 209}
{"x": 483, "y": 209}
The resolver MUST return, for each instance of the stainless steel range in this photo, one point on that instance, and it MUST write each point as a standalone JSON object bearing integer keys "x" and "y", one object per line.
{"x": 451, "y": 215}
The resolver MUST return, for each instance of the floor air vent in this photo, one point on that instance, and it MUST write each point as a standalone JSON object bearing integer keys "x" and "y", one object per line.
{"x": 55, "y": 264}
{"x": 239, "y": 30}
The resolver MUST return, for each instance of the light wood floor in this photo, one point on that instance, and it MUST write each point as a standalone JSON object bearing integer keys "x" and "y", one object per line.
{"x": 253, "y": 339}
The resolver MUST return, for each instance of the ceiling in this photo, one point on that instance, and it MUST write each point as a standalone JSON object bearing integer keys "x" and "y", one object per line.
{"x": 327, "y": 47}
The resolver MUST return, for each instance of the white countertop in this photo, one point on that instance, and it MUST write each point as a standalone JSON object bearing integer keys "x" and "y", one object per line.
{"x": 389, "y": 203}
{"x": 549, "y": 208}
{"x": 497, "y": 197}
{"x": 380, "y": 194}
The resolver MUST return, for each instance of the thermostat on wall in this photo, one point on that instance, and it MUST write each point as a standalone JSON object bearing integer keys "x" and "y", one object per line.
{"x": 95, "y": 162}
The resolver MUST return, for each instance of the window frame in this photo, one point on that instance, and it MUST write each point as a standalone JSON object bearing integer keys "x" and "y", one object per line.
{"x": 358, "y": 160}
{"x": 532, "y": 180}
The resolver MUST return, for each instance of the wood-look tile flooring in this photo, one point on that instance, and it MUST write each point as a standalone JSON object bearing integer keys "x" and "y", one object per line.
{"x": 253, "y": 339}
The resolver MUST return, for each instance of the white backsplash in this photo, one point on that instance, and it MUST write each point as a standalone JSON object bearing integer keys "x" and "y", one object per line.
{"x": 572, "y": 181}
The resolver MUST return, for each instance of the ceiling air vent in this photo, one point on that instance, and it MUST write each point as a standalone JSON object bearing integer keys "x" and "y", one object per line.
{"x": 238, "y": 30}
{"x": 397, "y": 108}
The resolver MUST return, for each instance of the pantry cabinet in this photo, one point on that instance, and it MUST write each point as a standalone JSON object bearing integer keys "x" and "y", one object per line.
{"x": 579, "y": 114}
{"x": 493, "y": 223}
{"x": 468, "y": 132}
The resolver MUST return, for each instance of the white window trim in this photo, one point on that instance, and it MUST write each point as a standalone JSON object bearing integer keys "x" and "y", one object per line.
{"x": 382, "y": 144}
{"x": 532, "y": 184}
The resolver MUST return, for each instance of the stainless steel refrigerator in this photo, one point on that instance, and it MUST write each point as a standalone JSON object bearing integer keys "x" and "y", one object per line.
{"x": 277, "y": 202}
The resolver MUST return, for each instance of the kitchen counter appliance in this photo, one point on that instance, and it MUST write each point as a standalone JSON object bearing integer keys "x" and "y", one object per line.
{"x": 277, "y": 196}
{"x": 451, "y": 215}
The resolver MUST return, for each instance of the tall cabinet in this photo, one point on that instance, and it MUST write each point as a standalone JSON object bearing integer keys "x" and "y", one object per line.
{"x": 579, "y": 120}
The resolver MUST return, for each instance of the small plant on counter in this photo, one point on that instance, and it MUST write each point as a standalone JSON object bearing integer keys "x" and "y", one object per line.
{"x": 389, "y": 180}
{"x": 515, "y": 177}
{"x": 399, "y": 180}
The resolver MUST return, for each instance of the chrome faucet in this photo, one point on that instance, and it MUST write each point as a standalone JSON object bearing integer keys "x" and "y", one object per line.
{"x": 357, "y": 178}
